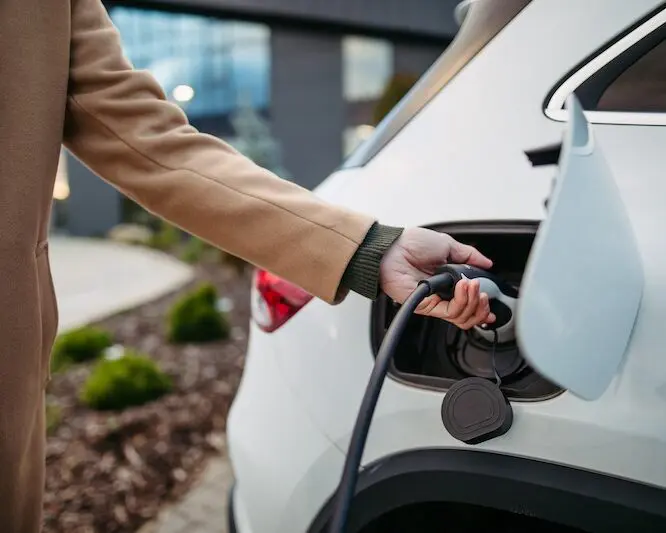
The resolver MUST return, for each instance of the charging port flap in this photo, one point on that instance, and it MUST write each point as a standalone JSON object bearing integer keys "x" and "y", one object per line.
{"x": 583, "y": 281}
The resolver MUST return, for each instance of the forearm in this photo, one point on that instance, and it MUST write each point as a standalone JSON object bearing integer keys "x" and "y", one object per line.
{"x": 119, "y": 123}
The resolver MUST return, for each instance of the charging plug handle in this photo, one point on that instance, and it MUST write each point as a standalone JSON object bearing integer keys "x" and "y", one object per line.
{"x": 442, "y": 284}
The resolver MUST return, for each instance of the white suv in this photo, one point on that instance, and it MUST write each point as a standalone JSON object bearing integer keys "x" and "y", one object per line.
{"x": 489, "y": 147}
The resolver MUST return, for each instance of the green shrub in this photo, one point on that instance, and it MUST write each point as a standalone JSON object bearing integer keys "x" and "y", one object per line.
{"x": 197, "y": 250}
{"x": 238, "y": 264}
{"x": 133, "y": 213}
{"x": 194, "y": 250}
{"x": 53, "y": 417}
{"x": 195, "y": 318}
{"x": 166, "y": 237}
{"x": 128, "y": 381}
{"x": 79, "y": 345}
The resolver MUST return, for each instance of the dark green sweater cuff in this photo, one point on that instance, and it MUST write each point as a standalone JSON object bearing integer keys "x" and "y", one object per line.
{"x": 362, "y": 273}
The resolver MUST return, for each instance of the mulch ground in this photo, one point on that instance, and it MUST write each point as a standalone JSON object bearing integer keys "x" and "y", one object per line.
{"x": 111, "y": 472}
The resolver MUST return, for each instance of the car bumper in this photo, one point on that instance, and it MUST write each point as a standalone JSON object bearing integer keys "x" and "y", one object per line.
{"x": 284, "y": 466}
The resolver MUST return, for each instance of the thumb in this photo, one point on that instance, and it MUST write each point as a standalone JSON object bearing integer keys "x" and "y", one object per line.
{"x": 465, "y": 254}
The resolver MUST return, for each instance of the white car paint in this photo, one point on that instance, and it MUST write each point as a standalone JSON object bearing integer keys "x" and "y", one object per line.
{"x": 461, "y": 159}
{"x": 564, "y": 288}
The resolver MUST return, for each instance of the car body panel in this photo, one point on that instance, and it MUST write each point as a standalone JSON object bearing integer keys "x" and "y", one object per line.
{"x": 462, "y": 159}
{"x": 337, "y": 343}
{"x": 269, "y": 460}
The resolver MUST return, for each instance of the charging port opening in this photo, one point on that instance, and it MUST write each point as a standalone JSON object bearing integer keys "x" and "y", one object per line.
{"x": 435, "y": 354}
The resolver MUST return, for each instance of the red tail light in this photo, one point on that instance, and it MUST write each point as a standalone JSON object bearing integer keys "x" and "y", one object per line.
{"x": 275, "y": 300}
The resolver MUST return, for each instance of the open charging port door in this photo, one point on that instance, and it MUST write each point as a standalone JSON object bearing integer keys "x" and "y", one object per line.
{"x": 583, "y": 281}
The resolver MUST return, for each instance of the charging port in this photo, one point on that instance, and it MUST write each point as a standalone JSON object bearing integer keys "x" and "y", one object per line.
{"x": 435, "y": 354}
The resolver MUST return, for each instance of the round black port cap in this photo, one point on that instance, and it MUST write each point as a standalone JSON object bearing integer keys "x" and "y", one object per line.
{"x": 475, "y": 410}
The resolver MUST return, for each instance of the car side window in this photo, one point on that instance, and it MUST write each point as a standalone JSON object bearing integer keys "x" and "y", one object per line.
{"x": 641, "y": 87}
{"x": 633, "y": 82}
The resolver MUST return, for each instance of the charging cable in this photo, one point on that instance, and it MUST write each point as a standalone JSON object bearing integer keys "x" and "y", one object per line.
{"x": 441, "y": 284}
{"x": 493, "y": 360}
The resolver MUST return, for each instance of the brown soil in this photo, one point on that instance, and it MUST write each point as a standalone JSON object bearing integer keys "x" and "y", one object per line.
{"x": 111, "y": 472}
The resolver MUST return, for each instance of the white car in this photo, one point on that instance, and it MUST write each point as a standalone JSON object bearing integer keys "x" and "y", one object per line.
{"x": 491, "y": 148}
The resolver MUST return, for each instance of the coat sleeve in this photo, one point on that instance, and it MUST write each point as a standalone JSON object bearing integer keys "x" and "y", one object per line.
{"x": 120, "y": 125}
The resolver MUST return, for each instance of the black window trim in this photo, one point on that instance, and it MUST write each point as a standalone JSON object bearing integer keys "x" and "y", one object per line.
{"x": 615, "y": 51}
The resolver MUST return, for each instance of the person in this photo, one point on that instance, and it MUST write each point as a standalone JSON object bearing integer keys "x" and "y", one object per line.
{"x": 66, "y": 81}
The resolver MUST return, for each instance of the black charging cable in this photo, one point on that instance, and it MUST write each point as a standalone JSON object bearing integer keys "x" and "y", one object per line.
{"x": 493, "y": 359}
{"x": 441, "y": 284}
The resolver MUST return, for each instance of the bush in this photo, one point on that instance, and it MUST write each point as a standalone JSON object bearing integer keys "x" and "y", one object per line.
{"x": 79, "y": 345}
{"x": 238, "y": 264}
{"x": 197, "y": 250}
{"x": 53, "y": 418}
{"x": 195, "y": 317}
{"x": 194, "y": 250}
{"x": 133, "y": 213}
{"x": 166, "y": 237}
{"x": 125, "y": 382}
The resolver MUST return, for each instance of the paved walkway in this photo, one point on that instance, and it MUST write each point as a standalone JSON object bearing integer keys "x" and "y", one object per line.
{"x": 204, "y": 509}
{"x": 96, "y": 278}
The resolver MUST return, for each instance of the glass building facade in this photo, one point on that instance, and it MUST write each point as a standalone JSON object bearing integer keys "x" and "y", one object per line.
{"x": 210, "y": 66}
{"x": 207, "y": 65}
{"x": 214, "y": 68}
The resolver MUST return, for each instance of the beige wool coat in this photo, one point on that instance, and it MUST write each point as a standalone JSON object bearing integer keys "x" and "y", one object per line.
{"x": 64, "y": 80}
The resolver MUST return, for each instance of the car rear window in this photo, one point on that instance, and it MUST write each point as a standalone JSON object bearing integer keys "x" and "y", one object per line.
{"x": 484, "y": 20}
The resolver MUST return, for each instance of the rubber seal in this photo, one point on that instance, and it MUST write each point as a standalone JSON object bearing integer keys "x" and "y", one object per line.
{"x": 475, "y": 410}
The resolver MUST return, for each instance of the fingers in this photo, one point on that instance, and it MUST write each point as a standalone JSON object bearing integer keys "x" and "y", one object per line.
{"x": 467, "y": 309}
{"x": 465, "y": 300}
{"x": 473, "y": 297}
{"x": 465, "y": 254}
{"x": 482, "y": 314}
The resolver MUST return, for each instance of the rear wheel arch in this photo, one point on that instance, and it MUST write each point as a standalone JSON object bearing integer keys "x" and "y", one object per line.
{"x": 589, "y": 501}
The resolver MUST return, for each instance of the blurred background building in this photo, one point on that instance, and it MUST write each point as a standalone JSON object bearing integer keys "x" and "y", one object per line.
{"x": 294, "y": 84}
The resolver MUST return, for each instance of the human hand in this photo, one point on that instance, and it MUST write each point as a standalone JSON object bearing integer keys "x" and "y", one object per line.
{"x": 415, "y": 256}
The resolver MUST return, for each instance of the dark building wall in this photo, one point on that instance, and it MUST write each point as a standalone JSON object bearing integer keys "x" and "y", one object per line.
{"x": 433, "y": 18}
{"x": 415, "y": 59}
{"x": 307, "y": 107}
{"x": 93, "y": 206}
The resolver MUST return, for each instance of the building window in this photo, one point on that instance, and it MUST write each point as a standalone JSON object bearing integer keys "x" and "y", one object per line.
{"x": 207, "y": 65}
{"x": 367, "y": 67}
